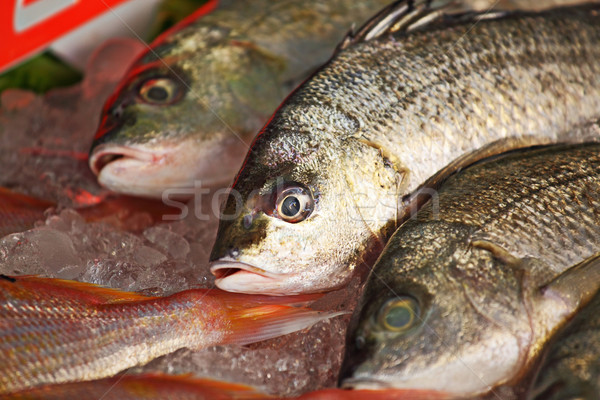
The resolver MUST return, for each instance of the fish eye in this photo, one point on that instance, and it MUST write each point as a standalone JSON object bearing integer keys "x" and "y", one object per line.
{"x": 398, "y": 314}
{"x": 294, "y": 204}
{"x": 160, "y": 91}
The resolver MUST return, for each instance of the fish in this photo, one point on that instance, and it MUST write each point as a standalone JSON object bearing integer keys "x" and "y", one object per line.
{"x": 414, "y": 95}
{"x": 56, "y": 331}
{"x": 142, "y": 387}
{"x": 174, "y": 387}
{"x": 571, "y": 363}
{"x": 467, "y": 292}
{"x": 188, "y": 109}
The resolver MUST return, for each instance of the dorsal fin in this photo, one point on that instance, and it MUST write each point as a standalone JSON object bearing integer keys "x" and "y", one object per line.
{"x": 410, "y": 15}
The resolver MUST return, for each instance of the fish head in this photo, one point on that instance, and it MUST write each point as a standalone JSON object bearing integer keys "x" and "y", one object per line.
{"x": 291, "y": 223}
{"x": 424, "y": 323}
{"x": 185, "y": 113}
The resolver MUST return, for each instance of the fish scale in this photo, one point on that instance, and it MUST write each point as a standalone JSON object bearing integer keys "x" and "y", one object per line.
{"x": 54, "y": 331}
{"x": 553, "y": 191}
{"x": 502, "y": 258}
{"x": 422, "y": 103}
{"x": 570, "y": 365}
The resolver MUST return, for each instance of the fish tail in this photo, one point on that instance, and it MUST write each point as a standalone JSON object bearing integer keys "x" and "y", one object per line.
{"x": 268, "y": 321}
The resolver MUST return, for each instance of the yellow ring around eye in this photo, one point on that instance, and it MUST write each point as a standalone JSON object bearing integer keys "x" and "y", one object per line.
{"x": 398, "y": 315}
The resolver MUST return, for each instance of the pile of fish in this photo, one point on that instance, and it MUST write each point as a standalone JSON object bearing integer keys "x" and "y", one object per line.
{"x": 437, "y": 179}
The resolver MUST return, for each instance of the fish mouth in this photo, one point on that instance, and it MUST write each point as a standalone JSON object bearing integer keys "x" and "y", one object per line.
{"x": 173, "y": 168}
{"x": 240, "y": 277}
{"x": 103, "y": 155}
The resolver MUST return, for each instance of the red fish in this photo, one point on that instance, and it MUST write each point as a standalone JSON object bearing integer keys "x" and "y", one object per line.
{"x": 142, "y": 387}
{"x": 155, "y": 386}
{"x": 54, "y": 331}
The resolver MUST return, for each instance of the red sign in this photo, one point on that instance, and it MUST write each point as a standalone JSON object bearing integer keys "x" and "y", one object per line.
{"x": 27, "y": 26}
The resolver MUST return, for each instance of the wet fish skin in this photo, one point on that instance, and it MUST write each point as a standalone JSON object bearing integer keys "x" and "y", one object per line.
{"x": 154, "y": 386}
{"x": 228, "y": 71}
{"x": 570, "y": 369}
{"x": 382, "y": 117}
{"x": 142, "y": 387}
{"x": 54, "y": 331}
{"x": 490, "y": 265}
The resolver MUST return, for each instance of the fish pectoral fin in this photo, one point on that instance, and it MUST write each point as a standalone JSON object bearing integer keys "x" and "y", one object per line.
{"x": 498, "y": 252}
{"x": 269, "y": 321}
{"x": 576, "y": 286}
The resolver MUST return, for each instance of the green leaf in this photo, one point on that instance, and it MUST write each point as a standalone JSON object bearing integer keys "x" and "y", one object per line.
{"x": 40, "y": 74}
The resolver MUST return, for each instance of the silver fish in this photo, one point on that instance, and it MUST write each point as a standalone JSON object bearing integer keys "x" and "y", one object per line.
{"x": 571, "y": 366}
{"x": 415, "y": 91}
{"x": 466, "y": 295}
{"x": 189, "y": 108}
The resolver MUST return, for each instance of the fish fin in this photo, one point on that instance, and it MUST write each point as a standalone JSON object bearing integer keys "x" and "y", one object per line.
{"x": 209, "y": 387}
{"x": 265, "y": 322}
{"x": 577, "y": 285}
{"x": 498, "y": 252}
{"x": 401, "y": 15}
{"x": 85, "y": 291}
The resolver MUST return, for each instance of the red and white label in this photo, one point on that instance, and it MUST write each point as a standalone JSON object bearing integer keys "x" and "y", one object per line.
{"x": 27, "y": 26}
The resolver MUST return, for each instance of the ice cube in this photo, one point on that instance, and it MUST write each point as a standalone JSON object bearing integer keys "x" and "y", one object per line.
{"x": 168, "y": 241}
{"x": 41, "y": 251}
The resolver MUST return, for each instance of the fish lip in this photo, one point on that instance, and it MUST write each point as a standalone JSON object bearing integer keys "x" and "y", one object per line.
{"x": 240, "y": 277}
{"x": 106, "y": 153}
{"x": 229, "y": 264}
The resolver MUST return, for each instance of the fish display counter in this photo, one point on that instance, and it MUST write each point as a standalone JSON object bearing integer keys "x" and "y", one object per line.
{"x": 199, "y": 215}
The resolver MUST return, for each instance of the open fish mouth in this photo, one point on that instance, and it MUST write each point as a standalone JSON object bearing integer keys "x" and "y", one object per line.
{"x": 104, "y": 155}
{"x": 239, "y": 277}
{"x": 174, "y": 168}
